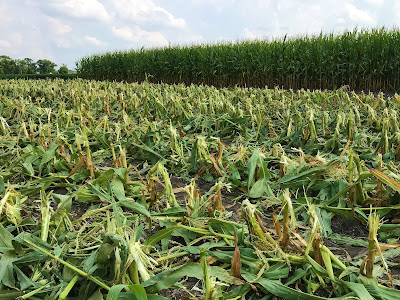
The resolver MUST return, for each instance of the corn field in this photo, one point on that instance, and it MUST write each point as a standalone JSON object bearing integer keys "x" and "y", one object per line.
{"x": 362, "y": 59}
{"x": 152, "y": 191}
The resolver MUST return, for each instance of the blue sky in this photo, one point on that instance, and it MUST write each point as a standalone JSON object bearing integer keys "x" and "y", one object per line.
{"x": 66, "y": 30}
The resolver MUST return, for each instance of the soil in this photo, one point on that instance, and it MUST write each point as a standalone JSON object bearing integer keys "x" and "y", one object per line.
{"x": 177, "y": 183}
{"x": 78, "y": 209}
{"x": 350, "y": 228}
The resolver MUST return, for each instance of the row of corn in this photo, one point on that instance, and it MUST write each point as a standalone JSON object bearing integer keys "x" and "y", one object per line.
{"x": 362, "y": 59}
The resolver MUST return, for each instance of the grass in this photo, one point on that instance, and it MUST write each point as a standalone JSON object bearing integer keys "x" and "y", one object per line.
{"x": 91, "y": 205}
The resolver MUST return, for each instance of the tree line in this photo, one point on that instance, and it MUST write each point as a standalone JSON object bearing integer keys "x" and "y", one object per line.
{"x": 28, "y": 66}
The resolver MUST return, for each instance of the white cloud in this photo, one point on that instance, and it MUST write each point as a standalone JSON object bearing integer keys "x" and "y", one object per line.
{"x": 263, "y": 4}
{"x": 82, "y": 9}
{"x": 5, "y": 14}
{"x": 124, "y": 33}
{"x": 13, "y": 40}
{"x": 146, "y": 12}
{"x": 58, "y": 27}
{"x": 94, "y": 41}
{"x": 140, "y": 36}
{"x": 192, "y": 39}
{"x": 270, "y": 19}
{"x": 249, "y": 35}
{"x": 39, "y": 53}
{"x": 218, "y": 5}
{"x": 359, "y": 15}
{"x": 5, "y": 44}
{"x": 61, "y": 33}
{"x": 375, "y": 2}
{"x": 396, "y": 8}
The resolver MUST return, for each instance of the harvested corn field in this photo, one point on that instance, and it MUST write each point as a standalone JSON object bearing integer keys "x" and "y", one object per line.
{"x": 153, "y": 191}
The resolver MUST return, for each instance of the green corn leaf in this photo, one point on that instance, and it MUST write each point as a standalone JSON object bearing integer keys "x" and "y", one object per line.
{"x": 255, "y": 160}
{"x": 5, "y": 239}
{"x": 6, "y": 268}
{"x": 155, "y": 238}
{"x": 136, "y": 207}
{"x": 10, "y": 295}
{"x": 359, "y": 289}
{"x": 260, "y": 188}
{"x": 118, "y": 189}
{"x": 47, "y": 156}
{"x": 278, "y": 289}
{"x": 97, "y": 295}
{"x": 114, "y": 292}
{"x": 23, "y": 280}
{"x": 138, "y": 292}
{"x": 29, "y": 168}
{"x": 384, "y": 293}
{"x": 169, "y": 277}
{"x": 337, "y": 238}
{"x": 173, "y": 211}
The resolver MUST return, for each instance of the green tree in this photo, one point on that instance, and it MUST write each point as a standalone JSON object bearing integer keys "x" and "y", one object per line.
{"x": 7, "y": 65}
{"x": 63, "y": 70}
{"x": 45, "y": 66}
{"x": 30, "y": 66}
{"x": 20, "y": 66}
{"x": 25, "y": 66}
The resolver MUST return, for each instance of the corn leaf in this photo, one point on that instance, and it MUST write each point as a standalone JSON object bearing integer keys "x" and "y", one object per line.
{"x": 155, "y": 238}
{"x": 136, "y": 207}
{"x": 138, "y": 292}
{"x": 278, "y": 289}
{"x": 47, "y": 156}
{"x": 394, "y": 184}
{"x": 169, "y": 277}
{"x": 5, "y": 239}
{"x": 10, "y": 295}
{"x": 381, "y": 292}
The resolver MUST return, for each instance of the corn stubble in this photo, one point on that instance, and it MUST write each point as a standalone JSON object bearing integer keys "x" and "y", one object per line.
{"x": 113, "y": 189}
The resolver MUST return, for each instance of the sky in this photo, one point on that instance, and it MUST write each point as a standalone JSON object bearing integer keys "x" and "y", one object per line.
{"x": 64, "y": 31}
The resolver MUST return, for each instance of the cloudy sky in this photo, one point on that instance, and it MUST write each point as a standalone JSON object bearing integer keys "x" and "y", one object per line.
{"x": 66, "y": 30}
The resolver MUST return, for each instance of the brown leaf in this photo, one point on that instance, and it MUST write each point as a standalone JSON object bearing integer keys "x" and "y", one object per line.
{"x": 236, "y": 263}
{"x": 215, "y": 165}
{"x": 218, "y": 201}
{"x": 385, "y": 247}
{"x": 303, "y": 241}
{"x": 108, "y": 107}
{"x": 210, "y": 260}
{"x": 260, "y": 222}
{"x": 63, "y": 153}
{"x": 80, "y": 163}
{"x": 277, "y": 226}
{"x": 317, "y": 251}
{"x": 297, "y": 245}
{"x": 243, "y": 190}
